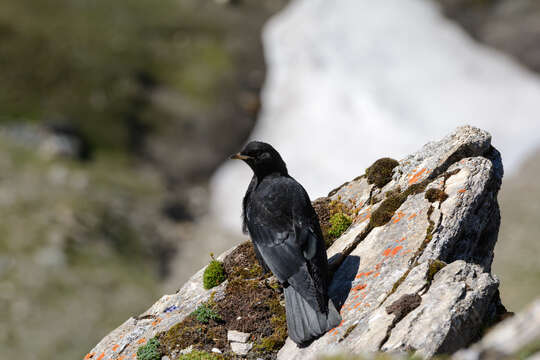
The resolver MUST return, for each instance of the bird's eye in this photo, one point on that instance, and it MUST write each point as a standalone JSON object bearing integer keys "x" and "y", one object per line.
{"x": 264, "y": 155}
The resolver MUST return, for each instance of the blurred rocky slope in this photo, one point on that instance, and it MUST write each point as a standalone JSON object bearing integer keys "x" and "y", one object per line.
{"x": 511, "y": 26}
{"x": 138, "y": 78}
{"x": 114, "y": 114}
{"x": 80, "y": 244}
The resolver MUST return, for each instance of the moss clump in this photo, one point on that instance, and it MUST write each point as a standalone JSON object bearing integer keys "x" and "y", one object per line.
{"x": 200, "y": 355}
{"x": 334, "y": 217}
{"x": 205, "y": 313}
{"x": 276, "y": 340}
{"x": 433, "y": 195}
{"x": 348, "y": 332}
{"x": 242, "y": 262}
{"x": 380, "y": 173}
{"x": 434, "y": 267}
{"x": 214, "y": 274}
{"x": 149, "y": 351}
{"x": 388, "y": 207}
{"x": 339, "y": 224}
{"x": 192, "y": 332}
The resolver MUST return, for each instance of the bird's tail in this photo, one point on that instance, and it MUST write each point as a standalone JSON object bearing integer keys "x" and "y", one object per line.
{"x": 305, "y": 323}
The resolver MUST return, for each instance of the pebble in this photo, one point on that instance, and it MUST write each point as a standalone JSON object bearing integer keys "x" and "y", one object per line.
{"x": 237, "y": 336}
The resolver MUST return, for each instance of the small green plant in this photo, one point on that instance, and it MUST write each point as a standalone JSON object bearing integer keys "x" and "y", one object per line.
{"x": 205, "y": 313}
{"x": 339, "y": 222}
{"x": 149, "y": 351}
{"x": 199, "y": 355}
{"x": 214, "y": 274}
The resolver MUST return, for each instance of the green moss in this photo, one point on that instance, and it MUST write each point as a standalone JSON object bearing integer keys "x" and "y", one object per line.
{"x": 149, "y": 351}
{"x": 433, "y": 195}
{"x": 388, "y": 207}
{"x": 278, "y": 321}
{"x": 339, "y": 223}
{"x": 334, "y": 216}
{"x": 214, "y": 274}
{"x": 205, "y": 313}
{"x": 348, "y": 332}
{"x": 200, "y": 355}
{"x": 434, "y": 267}
{"x": 380, "y": 173}
{"x": 399, "y": 282}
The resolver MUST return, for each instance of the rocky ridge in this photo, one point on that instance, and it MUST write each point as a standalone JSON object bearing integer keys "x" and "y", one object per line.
{"x": 412, "y": 272}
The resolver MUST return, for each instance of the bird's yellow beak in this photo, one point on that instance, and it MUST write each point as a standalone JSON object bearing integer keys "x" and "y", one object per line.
{"x": 240, "y": 157}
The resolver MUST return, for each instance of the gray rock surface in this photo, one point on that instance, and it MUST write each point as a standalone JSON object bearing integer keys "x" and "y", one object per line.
{"x": 516, "y": 337}
{"x": 419, "y": 282}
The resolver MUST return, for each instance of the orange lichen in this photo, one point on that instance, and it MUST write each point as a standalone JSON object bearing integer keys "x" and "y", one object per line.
{"x": 141, "y": 341}
{"x": 363, "y": 274}
{"x": 157, "y": 321}
{"x": 359, "y": 287}
{"x": 412, "y": 216}
{"x": 396, "y": 250}
{"x": 101, "y": 356}
{"x": 415, "y": 177}
{"x": 392, "y": 251}
{"x": 376, "y": 274}
{"x": 89, "y": 356}
{"x": 115, "y": 347}
{"x": 461, "y": 191}
{"x": 400, "y": 215}
{"x": 357, "y": 305}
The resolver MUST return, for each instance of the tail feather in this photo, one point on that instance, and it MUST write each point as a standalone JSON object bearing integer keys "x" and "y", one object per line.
{"x": 305, "y": 323}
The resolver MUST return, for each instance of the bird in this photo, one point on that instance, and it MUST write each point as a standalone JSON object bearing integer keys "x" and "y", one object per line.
{"x": 284, "y": 228}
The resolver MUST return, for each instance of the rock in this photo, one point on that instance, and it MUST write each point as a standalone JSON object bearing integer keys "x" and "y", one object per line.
{"x": 237, "y": 336}
{"x": 412, "y": 272}
{"x": 379, "y": 263}
{"x": 241, "y": 348}
{"x": 187, "y": 350}
{"x": 165, "y": 358}
{"x": 216, "y": 350}
{"x": 516, "y": 337}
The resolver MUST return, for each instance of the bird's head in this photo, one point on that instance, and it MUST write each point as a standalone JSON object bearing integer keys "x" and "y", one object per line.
{"x": 262, "y": 158}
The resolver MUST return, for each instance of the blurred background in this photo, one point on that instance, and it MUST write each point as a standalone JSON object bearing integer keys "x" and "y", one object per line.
{"x": 117, "y": 117}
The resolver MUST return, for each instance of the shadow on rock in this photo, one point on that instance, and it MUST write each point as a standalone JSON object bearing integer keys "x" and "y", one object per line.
{"x": 342, "y": 282}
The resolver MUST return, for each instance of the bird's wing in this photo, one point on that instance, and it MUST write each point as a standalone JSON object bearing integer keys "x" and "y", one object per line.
{"x": 285, "y": 231}
{"x": 251, "y": 187}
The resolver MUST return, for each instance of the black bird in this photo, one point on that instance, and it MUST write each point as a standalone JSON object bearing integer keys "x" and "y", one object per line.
{"x": 287, "y": 238}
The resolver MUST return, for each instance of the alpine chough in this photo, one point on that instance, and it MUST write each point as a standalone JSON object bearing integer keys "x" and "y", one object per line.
{"x": 286, "y": 235}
